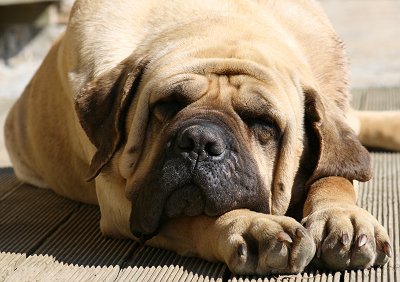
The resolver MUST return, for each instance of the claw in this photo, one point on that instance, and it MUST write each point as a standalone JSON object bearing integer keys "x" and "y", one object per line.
{"x": 242, "y": 250}
{"x": 284, "y": 237}
{"x": 300, "y": 233}
{"x": 362, "y": 240}
{"x": 345, "y": 239}
{"x": 319, "y": 249}
{"x": 387, "y": 249}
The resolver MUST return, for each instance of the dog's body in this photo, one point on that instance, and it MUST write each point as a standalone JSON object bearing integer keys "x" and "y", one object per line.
{"x": 187, "y": 114}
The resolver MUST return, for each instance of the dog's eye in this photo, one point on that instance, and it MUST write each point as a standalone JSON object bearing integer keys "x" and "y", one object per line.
{"x": 264, "y": 130}
{"x": 164, "y": 110}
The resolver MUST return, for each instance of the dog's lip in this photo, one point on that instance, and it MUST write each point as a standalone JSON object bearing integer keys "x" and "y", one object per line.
{"x": 197, "y": 204}
{"x": 190, "y": 206}
{"x": 145, "y": 222}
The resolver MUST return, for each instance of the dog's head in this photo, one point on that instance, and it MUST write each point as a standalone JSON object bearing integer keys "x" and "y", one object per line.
{"x": 209, "y": 135}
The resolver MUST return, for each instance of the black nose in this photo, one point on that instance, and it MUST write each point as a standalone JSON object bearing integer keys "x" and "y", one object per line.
{"x": 204, "y": 139}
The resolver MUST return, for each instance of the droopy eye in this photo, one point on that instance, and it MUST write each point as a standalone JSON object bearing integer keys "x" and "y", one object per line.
{"x": 165, "y": 110}
{"x": 264, "y": 130}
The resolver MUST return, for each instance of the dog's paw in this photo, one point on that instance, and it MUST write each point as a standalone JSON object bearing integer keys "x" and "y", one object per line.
{"x": 254, "y": 243}
{"x": 347, "y": 237}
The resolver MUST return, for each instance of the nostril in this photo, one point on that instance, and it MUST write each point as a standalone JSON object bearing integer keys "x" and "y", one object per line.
{"x": 186, "y": 143}
{"x": 214, "y": 148}
{"x": 188, "y": 139}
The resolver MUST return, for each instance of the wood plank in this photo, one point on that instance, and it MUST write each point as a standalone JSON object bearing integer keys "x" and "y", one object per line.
{"x": 77, "y": 251}
{"x": 79, "y": 241}
{"x": 8, "y": 181}
{"x": 9, "y": 262}
{"x": 48, "y": 268}
{"x": 150, "y": 264}
{"x": 381, "y": 99}
{"x": 28, "y": 216}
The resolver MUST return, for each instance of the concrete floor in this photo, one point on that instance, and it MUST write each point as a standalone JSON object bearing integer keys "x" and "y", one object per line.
{"x": 371, "y": 32}
{"x": 369, "y": 28}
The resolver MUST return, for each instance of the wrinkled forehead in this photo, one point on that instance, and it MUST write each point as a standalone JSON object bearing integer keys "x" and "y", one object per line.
{"x": 247, "y": 87}
{"x": 254, "y": 91}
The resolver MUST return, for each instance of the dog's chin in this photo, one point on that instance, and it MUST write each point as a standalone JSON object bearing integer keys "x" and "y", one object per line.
{"x": 151, "y": 210}
{"x": 185, "y": 201}
{"x": 145, "y": 221}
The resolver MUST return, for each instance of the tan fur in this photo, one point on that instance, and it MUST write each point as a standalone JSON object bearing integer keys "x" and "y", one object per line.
{"x": 380, "y": 129}
{"x": 62, "y": 132}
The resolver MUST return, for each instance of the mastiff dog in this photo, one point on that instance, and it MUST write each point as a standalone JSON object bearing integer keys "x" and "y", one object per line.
{"x": 214, "y": 128}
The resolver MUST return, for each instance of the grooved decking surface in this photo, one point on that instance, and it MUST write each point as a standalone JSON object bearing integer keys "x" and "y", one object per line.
{"x": 44, "y": 237}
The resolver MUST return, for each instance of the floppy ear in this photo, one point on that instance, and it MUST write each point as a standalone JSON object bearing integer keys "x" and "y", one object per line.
{"x": 100, "y": 107}
{"x": 340, "y": 151}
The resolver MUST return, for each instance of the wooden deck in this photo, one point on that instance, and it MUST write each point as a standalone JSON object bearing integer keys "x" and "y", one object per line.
{"x": 44, "y": 237}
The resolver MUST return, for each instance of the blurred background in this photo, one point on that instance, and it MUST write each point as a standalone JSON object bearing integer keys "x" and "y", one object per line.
{"x": 369, "y": 28}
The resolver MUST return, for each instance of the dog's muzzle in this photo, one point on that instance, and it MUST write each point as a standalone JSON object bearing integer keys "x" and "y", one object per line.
{"x": 204, "y": 169}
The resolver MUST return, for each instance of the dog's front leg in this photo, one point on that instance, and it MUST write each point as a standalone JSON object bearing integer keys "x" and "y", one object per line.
{"x": 248, "y": 242}
{"x": 346, "y": 236}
